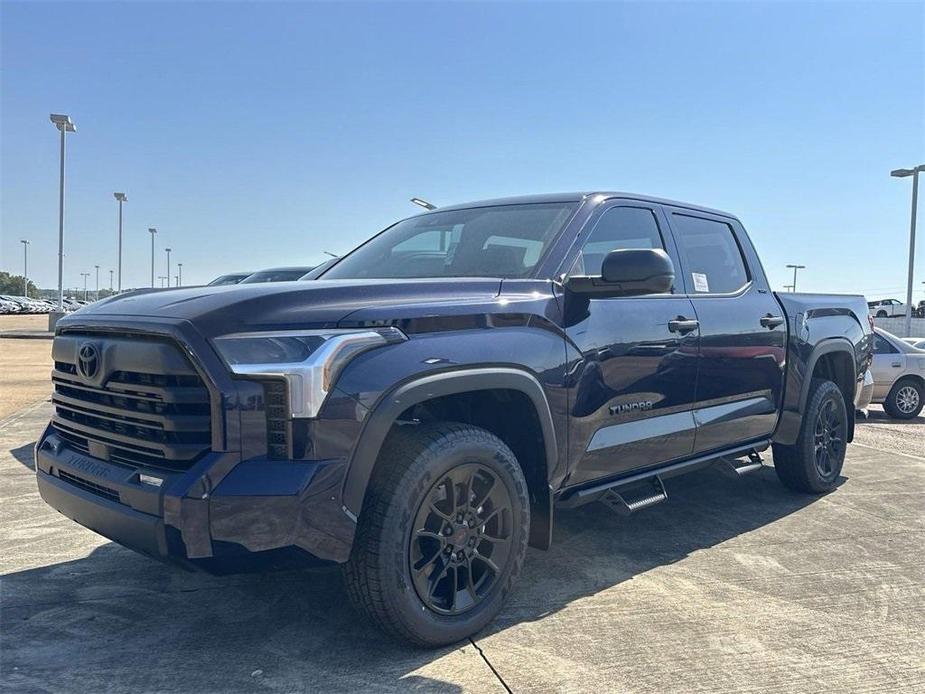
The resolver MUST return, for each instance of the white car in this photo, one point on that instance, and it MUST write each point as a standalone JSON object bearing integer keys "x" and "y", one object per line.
{"x": 886, "y": 308}
{"x": 898, "y": 369}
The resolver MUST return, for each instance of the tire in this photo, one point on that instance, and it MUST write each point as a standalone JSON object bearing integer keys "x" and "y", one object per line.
{"x": 391, "y": 567}
{"x": 804, "y": 467}
{"x": 881, "y": 314}
{"x": 905, "y": 399}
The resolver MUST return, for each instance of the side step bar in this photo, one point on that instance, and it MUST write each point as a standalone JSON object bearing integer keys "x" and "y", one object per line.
{"x": 644, "y": 489}
{"x": 635, "y": 497}
{"x": 737, "y": 468}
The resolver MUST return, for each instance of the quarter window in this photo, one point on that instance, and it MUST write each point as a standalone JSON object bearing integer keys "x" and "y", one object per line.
{"x": 710, "y": 254}
{"x": 619, "y": 228}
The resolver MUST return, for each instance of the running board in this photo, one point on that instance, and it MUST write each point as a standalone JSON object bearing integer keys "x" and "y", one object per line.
{"x": 738, "y": 467}
{"x": 635, "y": 497}
{"x": 578, "y": 496}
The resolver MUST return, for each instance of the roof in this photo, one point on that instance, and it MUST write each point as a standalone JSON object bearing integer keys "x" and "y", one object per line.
{"x": 578, "y": 197}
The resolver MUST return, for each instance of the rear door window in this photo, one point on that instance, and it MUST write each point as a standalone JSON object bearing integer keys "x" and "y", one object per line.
{"x": 711, "y": 255}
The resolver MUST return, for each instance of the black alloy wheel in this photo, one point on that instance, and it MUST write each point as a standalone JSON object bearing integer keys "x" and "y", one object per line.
{"x": 461, "y": 536}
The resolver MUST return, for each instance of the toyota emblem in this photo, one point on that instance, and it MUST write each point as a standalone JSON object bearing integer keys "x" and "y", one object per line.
{"x": 88, "y": 360}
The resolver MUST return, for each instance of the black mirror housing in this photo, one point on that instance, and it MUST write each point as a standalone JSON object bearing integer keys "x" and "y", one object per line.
{"x": 628, "y": 272}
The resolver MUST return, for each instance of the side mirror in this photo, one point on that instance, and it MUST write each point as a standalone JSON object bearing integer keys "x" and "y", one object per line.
{"x": 629, "y": 272}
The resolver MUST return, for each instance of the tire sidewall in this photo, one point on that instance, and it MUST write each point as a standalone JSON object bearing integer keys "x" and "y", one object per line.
{"x": 825, "y": 391}
{"x": 435, "y": 461}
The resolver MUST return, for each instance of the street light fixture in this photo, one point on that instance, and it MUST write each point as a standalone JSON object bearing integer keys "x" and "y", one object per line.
{"x": 121, "y": 198}
{"x": 110, "y": 281}
{"x": 161, "y": 278}
{"x": 25, "y": 267}
{"x": 905, "y": 173}
{"x": 97, "y": 282}
{"x": 85, "y": 275}
{"x": 423, "y": 203}
{"x": 795, "y": 268}
{"x": 152, "y": 231}
{"x": 65, "y": 125}
{"x": 168, "y": 266}
{"x": 179, "y": 274}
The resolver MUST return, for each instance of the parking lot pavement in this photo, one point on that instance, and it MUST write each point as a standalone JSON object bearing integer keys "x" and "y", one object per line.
{"x": 734, "y": 585}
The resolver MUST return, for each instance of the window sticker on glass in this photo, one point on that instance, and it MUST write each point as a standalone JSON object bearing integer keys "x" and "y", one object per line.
{"x": 700, "y": 282}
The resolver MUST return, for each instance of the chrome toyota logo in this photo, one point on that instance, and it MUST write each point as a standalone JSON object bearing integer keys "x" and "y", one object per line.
{"x": 88, "y": 360}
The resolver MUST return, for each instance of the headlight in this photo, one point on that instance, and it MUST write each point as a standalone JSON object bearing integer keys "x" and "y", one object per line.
{"x": 308, "y": 360}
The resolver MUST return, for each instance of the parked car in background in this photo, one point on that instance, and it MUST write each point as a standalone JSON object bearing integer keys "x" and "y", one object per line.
{"x": 26, "y": 304}
{"x": 230, "y": 278}
{"x": 7, "y": 306}
{"x": 917, "y": 342}
{"x": 886, "y": 308}
{"x": 278, "y": 274}
{"x": 898, "y": 369}
{"x": 920, "y": 310}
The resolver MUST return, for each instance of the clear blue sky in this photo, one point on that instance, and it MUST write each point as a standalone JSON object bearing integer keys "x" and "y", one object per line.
{"x": 257, "y": 134}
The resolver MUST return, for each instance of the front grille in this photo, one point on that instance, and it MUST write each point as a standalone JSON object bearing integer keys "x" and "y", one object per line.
{"x": 134, "y": 417}
{"x": 89, "y": 486}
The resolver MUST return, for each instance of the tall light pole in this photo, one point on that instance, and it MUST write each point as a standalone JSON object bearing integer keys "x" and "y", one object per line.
{"x": 64, "y": 124}
{"x": 795, "y": 268}
{"x": 121, "y": 198}
{"x": 110, "y": 281}
{"x": 25, "y": 267}
{"x": 152, "y": 231}
{"x": 788, "y": 287}
{"x": 179, "y": 274}
{"x": 85, "y": 275}
{"x": 168, "y": 266}
{"x": 161, "y": 278}
{"x": 97, "y": 282}
{"x": 903, "y": 173}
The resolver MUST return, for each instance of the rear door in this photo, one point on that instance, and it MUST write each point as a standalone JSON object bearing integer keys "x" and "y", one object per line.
{"x": 742, "y": 330}
{"x": 633, "y": 371}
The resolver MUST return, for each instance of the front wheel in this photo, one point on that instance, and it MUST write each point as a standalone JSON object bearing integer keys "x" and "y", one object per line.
{"x": 814, "y": 462}
{"x": 881, "y": 314}
{"x": 905, "y": 399}
{"x": 442, "y": 535}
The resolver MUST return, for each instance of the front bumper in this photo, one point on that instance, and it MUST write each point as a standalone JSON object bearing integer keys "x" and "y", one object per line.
{"x": 261, "y": 513}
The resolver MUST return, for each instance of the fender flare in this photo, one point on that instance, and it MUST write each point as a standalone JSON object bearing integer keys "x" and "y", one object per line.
{"x": 828, "y": 346}
{"x": 789, "y": 427}
{"x": 390, "y": 406}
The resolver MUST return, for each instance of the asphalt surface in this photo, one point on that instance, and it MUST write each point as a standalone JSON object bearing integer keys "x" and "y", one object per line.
{"x": 734, "y": 585}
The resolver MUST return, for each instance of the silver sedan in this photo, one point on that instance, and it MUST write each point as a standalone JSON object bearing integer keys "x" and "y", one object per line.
{"x": 898, "y": 369}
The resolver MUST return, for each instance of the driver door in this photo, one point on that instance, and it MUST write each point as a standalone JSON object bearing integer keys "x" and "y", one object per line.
{"x": 634, "y": 361}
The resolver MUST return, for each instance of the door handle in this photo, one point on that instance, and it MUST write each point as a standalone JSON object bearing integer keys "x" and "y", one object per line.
{"x": 896, "y": 366}
{"x": 683, "y": 325}
{"x": 770, "y": 321}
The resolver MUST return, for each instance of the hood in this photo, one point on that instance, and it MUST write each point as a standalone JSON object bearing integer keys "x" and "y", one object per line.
{"x": 291, "y": 305}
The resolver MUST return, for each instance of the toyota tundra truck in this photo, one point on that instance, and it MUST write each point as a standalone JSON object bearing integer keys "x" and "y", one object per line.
{"x": 416, "y": 410}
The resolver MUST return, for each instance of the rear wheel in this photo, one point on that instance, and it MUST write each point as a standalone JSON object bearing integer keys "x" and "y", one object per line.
{"x": 442, "y": 535}
{"x": 814, "y": 462}
{"x": 905, "y": 399}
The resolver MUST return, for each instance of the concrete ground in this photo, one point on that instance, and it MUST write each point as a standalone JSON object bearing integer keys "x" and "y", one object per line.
{"x": 734, "y": 585}
{"x": 25, "y": 365}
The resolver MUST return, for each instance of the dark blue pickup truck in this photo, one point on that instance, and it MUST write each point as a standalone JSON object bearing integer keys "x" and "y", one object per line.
{"x": 417, "y": 410}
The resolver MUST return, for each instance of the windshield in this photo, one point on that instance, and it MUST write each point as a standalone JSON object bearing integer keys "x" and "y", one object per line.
{"x": 286, "y": 275}
{"x": 503, "y": 241}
